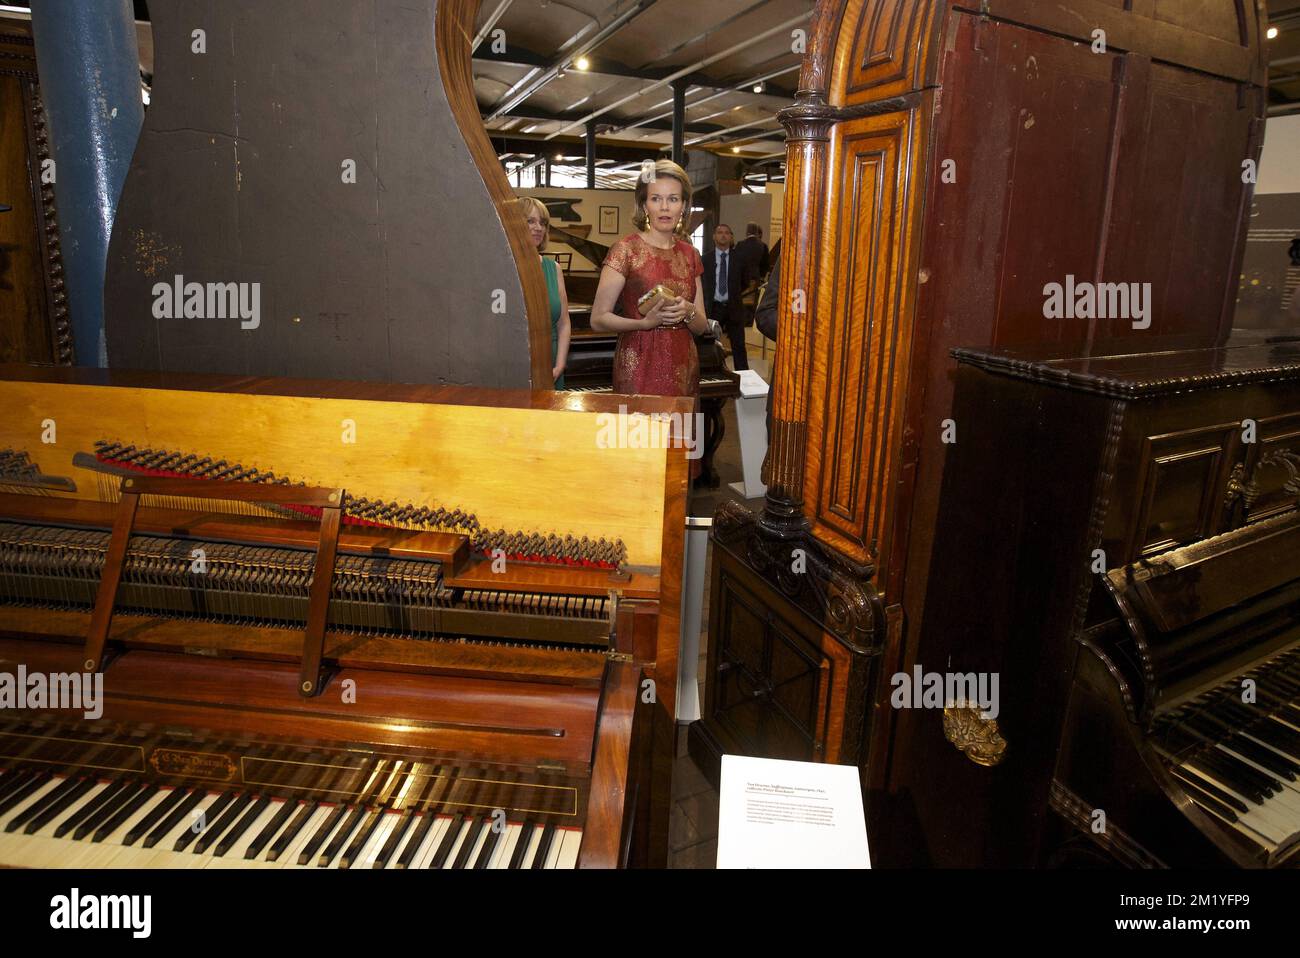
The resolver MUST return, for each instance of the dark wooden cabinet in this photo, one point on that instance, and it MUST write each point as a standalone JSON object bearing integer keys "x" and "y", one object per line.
{"x": 1063, "y": 472}
{"x": 789, "y": 677}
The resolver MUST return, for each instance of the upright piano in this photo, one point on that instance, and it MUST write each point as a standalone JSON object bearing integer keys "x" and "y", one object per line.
{"x": 1118, "y": 540}
{"x": 337, "y": 625}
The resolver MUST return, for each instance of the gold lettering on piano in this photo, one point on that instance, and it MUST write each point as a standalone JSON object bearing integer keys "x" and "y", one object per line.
{"x": 212, "y": 766}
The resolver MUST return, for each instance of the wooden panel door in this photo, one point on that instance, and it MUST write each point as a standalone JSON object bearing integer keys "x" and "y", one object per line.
{"x": 862, "y": 331}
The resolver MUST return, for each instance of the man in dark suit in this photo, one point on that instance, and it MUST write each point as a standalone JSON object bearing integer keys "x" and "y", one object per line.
{"x": 724, "y": 283}
{"x": 753, "y": 252}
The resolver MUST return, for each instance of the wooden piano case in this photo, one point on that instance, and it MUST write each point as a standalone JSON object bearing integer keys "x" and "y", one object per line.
{"x": 1165, "y": 484}
{"x": 514, "y": 640}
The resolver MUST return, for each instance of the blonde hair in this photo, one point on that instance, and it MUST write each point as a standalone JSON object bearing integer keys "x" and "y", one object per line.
{"x": 662, "y": 168}
{"x": 530, "y": 204}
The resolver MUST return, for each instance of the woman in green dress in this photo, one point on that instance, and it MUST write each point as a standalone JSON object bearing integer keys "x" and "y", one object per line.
{"x": 539, "y": 223}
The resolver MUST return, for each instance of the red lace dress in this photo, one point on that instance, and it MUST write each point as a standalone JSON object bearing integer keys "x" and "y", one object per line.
{"x": 662, "y": 361}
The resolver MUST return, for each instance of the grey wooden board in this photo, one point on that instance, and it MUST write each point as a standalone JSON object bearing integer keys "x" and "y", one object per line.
{"x": 238, "y": 179}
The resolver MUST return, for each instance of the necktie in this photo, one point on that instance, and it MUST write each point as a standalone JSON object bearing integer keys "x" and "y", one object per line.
{"x": 720, "y": 293}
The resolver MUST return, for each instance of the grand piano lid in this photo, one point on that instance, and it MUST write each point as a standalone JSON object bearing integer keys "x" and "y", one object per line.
{"x": 329, "y": 164}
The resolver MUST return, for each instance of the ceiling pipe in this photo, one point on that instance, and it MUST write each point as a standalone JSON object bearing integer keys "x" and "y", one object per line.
{"x": 491, "y": 22}
{"x": 537, "y": 78}
{"x": 700, "y": 64}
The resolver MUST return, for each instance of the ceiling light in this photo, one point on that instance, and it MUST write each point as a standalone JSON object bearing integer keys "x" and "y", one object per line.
{"x": 735, "y": 149}
{"x": 559, "y": 157}
{"x": 1272, "y": 33}
{"x": 582, "y": 63}
{"x": 758, "y": 88}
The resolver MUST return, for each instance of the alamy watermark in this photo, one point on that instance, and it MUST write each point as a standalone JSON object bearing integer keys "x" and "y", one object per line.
{"x": 181, "y": 300}
{"x": 53, "y": 690}
{"x": 1072, "y": 300}
{"x": 77, "y": 911}
{"x": 937, "y": 690}
{"x": 636, "y": 430}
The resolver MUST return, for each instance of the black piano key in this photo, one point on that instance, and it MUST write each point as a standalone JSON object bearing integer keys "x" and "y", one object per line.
{"x": 336, "y": 845}
{"x": 394, "y": 840}
{"x": 231, "y": 838}
{"x": 15, "y": 781}
{"x": 120, "y": 817}
{"x": 142, "y": 827}
{"x": 24, "y": 791}
{"x": 363, "y": 836}
{"x": 1219, "y": 794}
{"x": 1202, "y": 796}
{"x": 1240, "y": 772}
{"x": 521, "y": 846}
{"x": 544, "y": 845}
{"x": 52, "y": 811}
{"x": 427, "y": 821}
{"x": 272, "y": 828}
{"x": 91, "y": 824}
{"x": 212, "y": 834}
{"x": 192, "y": 798}
{"x": 27, "y": 814}
{"x": 322, "y": 833}
{"x": 1260, "y": 755}
{"x": 290, "y": 833}
{"x": 79, "y": 815}
{"x": 210, "y": 814}
{"x": 448, "y": 840}
{"x": 489, "y": 846}
{"x": 1209, "y": 763}
{"x": 1233, "y": 775}
{"x": 1264, "y": 782}
{"x": 472, "y": 835}
{"x": 190, "y": 801}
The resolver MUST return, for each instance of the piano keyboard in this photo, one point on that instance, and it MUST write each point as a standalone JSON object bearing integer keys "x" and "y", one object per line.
{"x": 79, "y": 821}
{"x": 1240, "y": 762}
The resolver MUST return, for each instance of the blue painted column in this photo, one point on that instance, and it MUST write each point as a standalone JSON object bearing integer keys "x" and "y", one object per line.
{"x": 90, "y": 83}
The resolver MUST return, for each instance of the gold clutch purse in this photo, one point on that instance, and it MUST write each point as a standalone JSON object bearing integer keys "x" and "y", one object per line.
{"x": 648, "y": 301}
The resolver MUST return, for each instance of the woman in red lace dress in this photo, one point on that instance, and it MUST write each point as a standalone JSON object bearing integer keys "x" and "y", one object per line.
{"x": 656, "y": 353}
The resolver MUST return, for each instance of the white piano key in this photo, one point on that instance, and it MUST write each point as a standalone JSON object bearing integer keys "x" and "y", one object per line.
{"x": 112, "y": 853}
{"x": 506, "y": 847}
{"x": 289, "y": 859}
{"x": 164, "y": 855}
{"x": 370, "y": 854}
{"x": 530, "y": 850}
{"x": 35, "y": 798}
{"x": 466, "y": 829}
{"x": 430, "y": 847}
{"x": 569, "y": 853}
{"x": 1257, "y": 818}
{"x": 1287, "y": 799}
{"x": 480, "y": 835}
{"x": 60, "y": 852}
{"x": 553, "y": 853}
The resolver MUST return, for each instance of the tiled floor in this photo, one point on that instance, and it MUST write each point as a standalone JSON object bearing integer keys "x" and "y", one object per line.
{"x": 693, "y": 829}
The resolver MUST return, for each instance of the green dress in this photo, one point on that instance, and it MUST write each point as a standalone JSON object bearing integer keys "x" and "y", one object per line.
{"x": 551, "y": 270}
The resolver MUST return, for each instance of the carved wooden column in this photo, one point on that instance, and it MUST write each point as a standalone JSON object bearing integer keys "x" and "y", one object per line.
{"x": 808, "y": 125}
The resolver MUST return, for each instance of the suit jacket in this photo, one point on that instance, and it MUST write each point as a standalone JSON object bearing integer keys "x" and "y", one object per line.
{"x": 754, "y": 255}
{"x": 736, "y": 274}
